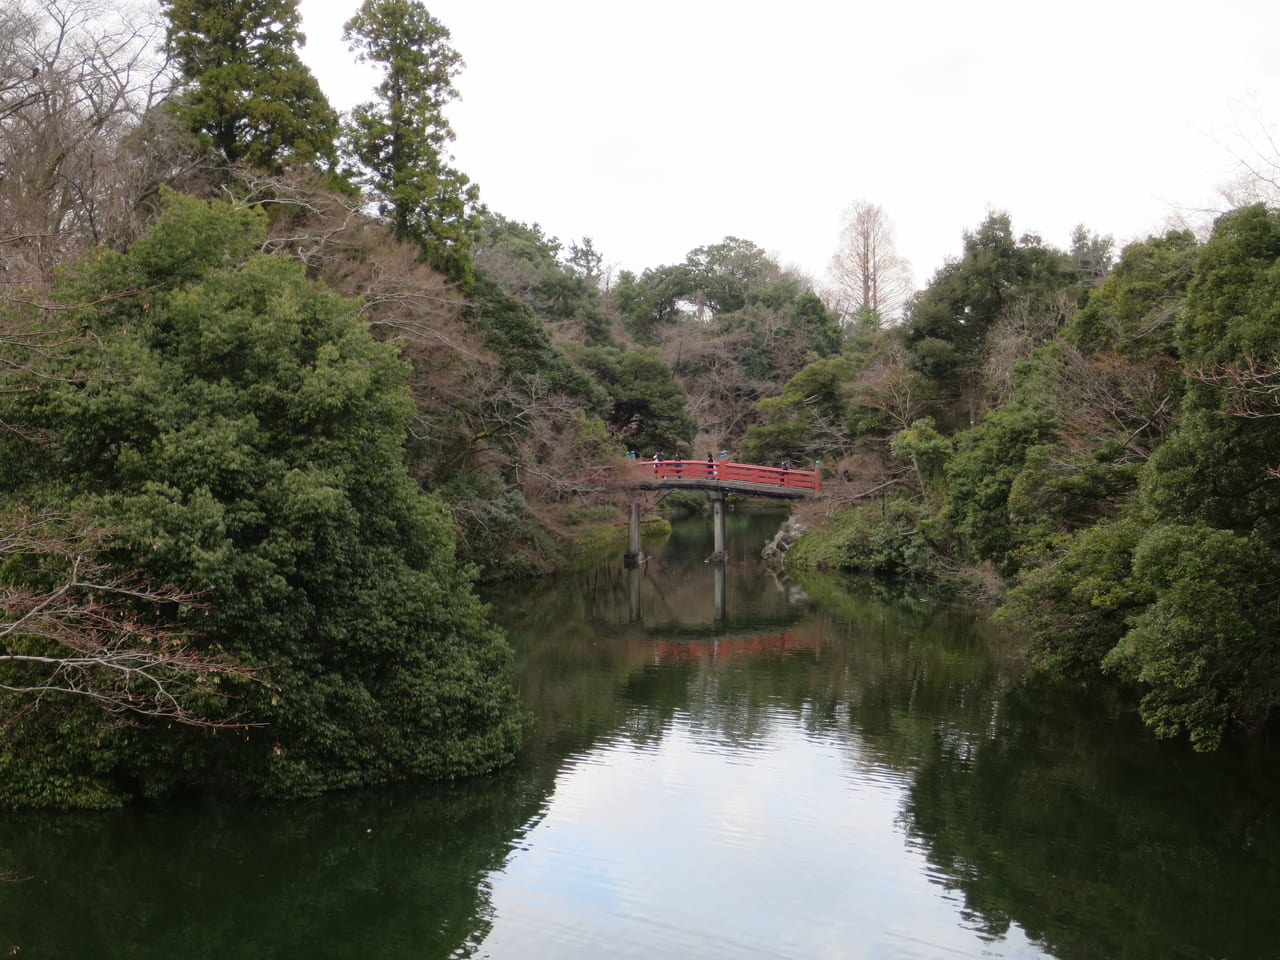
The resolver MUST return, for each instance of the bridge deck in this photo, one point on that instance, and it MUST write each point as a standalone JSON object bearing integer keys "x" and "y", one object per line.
{"x": 721, "y": 475}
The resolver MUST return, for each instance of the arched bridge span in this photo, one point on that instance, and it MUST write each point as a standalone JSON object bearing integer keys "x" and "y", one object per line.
{"x": 718, "y": 478}
{"x": 724, "y": 476}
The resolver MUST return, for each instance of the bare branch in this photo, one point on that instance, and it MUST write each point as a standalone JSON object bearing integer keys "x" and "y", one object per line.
{"x": 868, "y": 278}
{"x": 73, "y": 628}
{"x": 1251, "y": 387}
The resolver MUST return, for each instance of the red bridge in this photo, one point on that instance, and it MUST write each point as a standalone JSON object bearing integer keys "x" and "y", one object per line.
{"x": 725, "y": 476}
{"x": 717, "y": 477}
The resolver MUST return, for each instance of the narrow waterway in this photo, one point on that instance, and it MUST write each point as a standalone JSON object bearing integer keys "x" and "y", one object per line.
{"x": 726, "y": 764}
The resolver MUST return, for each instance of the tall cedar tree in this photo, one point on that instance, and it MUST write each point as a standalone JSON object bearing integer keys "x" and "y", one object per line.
{"x": 247, "y": 89}
{"x": 398, "y": 141}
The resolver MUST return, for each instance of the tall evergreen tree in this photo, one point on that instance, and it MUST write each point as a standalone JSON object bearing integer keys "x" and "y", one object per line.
{"x": 399, "y": 139}
{"x": 247, "y": 89}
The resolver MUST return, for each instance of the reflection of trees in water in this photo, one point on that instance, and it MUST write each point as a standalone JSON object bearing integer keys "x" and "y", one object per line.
{"x": 1047, "y": 805}
{"x": 1097, "y": 841}
{"x": 391, "y": 873}
{"x": 1040, "y": 803}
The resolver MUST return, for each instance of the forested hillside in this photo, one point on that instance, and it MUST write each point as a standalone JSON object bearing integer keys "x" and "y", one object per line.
{"x": 1092, "y": 443}
{"x": 276, "y": 388}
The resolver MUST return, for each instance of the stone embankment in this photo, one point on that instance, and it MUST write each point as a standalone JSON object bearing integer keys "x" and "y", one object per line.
{"x": 775, "y": 550}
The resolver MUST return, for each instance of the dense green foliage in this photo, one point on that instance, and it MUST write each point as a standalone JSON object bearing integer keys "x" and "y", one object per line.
{"x": 646, "y": 406}
{"x": 887, "y": 537}
{"x": 246, "y": 433}
{"x": 1110, "y": 453}
{"x": 815, "y": 396}
{"x": 951, "y": 319}
{"x": 1097, "y": 441}
{"x": 981, "y": 474}
{"x": 247, "y": 89}
{"x": 1175, "y": 590}
{"x": 563, "y": 290}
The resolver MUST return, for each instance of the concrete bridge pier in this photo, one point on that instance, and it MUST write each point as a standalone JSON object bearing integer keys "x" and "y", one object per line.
{"x": 633, "y": 556}
{"x": 717, "y": 524}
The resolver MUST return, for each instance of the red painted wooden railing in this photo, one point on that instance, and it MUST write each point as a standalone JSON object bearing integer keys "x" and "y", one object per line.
{"x": 727, "y": 470}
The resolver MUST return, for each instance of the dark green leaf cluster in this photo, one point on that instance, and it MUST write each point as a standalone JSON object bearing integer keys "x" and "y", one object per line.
{"x": 646, "y": 410}
{"x": 246, "y": 433}
{"x": 562, "y": 291}
{"x": 1178, "y": 592}
{"x": 981, "y": 474}
{"x": 889, "y": 536}
{"x": 818, "y": 393}
{"x": 736, "y": 288}
{"x": 514, "y": 332}
{"x": 949, "y": 321}
{"x": 246, "y": 88}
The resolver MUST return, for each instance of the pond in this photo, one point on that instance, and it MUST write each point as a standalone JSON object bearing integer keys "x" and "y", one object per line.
{"x": 726, "y": 763}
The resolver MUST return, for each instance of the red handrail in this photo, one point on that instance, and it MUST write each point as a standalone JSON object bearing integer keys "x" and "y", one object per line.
{"x": 727, "y": 470}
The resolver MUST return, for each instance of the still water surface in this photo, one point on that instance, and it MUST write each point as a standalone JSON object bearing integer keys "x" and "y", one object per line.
{"x": 726, "y": 764}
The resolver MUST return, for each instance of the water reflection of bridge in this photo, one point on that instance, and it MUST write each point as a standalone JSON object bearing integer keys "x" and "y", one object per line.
{"x": 722, "y": 618}
{"x": 722, "y": 648}
{"x": 676, "y": 595}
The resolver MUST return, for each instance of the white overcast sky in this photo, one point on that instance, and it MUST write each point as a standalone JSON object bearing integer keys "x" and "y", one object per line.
{"x": 658, "y": 127}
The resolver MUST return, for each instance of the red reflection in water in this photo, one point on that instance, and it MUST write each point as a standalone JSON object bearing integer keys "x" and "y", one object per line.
{"x": 775, "y": 645}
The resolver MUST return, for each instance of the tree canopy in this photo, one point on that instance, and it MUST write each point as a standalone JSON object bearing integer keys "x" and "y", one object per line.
{"x": 245, "y": 87}
{"x": 246, "y": 434}
{"x": 398, "y": 141}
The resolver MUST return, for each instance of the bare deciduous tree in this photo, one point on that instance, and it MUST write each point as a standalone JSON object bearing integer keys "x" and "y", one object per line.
{"x": 77, "y": 79}
{"x": 74, "y": 628}
{"x": 900, "y": 394}
{"x": 868, "y": 278}
{"x": 1251, "y": 388}
{"x": 1020, "y": 328}
{"x": 1106, "y": 399}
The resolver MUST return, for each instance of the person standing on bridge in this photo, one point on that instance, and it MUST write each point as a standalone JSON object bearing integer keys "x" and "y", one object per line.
{"x": 711, "y": 464}
{"x": 657, "y": 459}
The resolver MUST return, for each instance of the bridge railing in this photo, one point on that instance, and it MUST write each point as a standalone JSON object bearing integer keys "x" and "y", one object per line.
{"x": 728, "y": 471}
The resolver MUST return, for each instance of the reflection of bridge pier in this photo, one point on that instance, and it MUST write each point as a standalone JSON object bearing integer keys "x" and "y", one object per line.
{"x": 635, "y": 575}
{"x": 720, "y": 591}
{"x": 633, "y": 593}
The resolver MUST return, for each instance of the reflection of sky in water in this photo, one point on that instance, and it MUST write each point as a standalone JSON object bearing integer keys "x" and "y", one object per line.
{"x": 689, "y": 848}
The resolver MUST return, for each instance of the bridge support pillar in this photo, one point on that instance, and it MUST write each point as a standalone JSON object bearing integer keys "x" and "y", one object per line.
{"x": 717, "y": 524}
{"x": 633, "y": 555}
